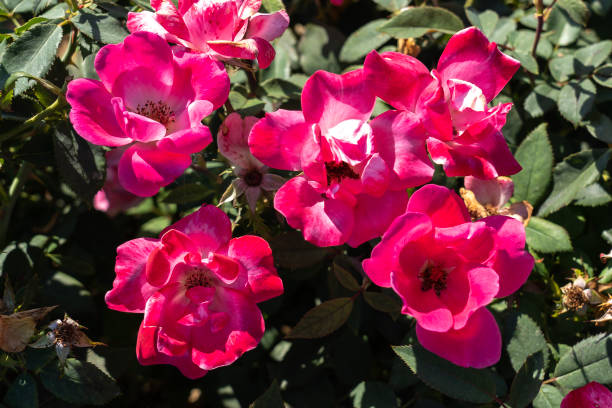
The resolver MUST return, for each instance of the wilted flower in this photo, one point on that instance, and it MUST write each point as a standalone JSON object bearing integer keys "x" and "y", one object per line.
{"x": 221, "y": 28}
{"x": 198, "y": 289}
{"x": 576, "y": 296}
{"x": 151, "y": 98}
{"x": 17, "y": 329}
{"x": 592, "y": 395}
{"x": 65, "y": 334}
{"x": 253, "y": 177}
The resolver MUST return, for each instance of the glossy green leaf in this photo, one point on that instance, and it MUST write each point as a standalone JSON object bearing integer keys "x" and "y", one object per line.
{"x": 346, "y": 278}
{"x": 527, "y": 382}
{"x": 373, "y": 394}
{"x": 100, "y": 27}
{"x": 576, "y": 100}
{"x": 535, "y": 156}
{"x": 318, "y": 49}
{"x": 416, "y": 21}
{"x": 562, "y": 68}
{"x": 270, "y": 399}
{"x": 548, "y": 397}
{"x": 576, "y": 9}
{"x": 593, "y": 195}
{"x": 22, "y": 393}
{"x": 547, "y": 237}
{"x": 187, "y": 193}
{"x": 600, "y": 127}
{"x": 527, "y": 339}
{"x": 595, "y": 54}
{"x": 392, "y": 5}
{"x": 323, "y": 319}
{"x": 603, "y": 76}
{"x": 363, "y": 40}
{"x": 541, "y": 100}
{"x": 383, "y": 302}
{"x": 587, "y": 361}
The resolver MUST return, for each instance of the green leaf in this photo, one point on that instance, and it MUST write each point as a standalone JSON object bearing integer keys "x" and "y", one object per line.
{"x": 527, "y": 339}
{"x": 100, "y": 27}
{"x": 346, "y": 278}
{"x": 467, "y": 384}
{"x": 486, "y": 21}
{"x": 323, "y": 319}
{"x": 280, "y": 89}
{"x": 33, "y": 53}
{"x": 571, "y": 175}
{"x": 272, "y": 398}
{"x": 548, "y": 397}
{"x": 363, "y": 40}
{"x": 373, "y": 394}
{"x": 527, "y": 381}
{"x": 80, "y": 163}
{"x": 527, "y": 61}
{"x": 600, "y": 127}
{"x": 576, "y": 9}
{"x": 81, "y": 383}
{"x": 392, "y": 5}
{"x": 547, "y": 237}
{"x": 562, "y": 68}
{"x": 576, "y": 100}
{"x": 318, "y": 50}
{"x": 603, "y": 75}
{"x": 416, "y": 21}
{"x": 285, "y": 60}
{"x": 595, "y": 54}
{"x": 270, "y": 6}
{"x": 187, "y": 193}
{"x": 29, "y": 24}
{"x": 593, "y": 195}
{"x": 535, "y": 155}
{"x": 383, "y": 302}
{"x": 293, "y": 252}
{"x": 541, "y": 100}
{"x": 22, "y": 393}
{"x": 587, "y": 361}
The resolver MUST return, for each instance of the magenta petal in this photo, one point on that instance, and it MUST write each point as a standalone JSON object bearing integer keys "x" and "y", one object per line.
{"x": 400, "y": 139}
{"x": 235, "y": 329}
{"x": 151, "y": 22}
{"x": 511, "y": 262}
{"x": 130, "y": 289}
{"x": 278, "y": 138}
{"x": 268, "y": 26}
{"x": 255, "y": 255}
{"x": 483, "y": 286}
{"x": 477, "y": 344}
{"x": 186, "y": 141}
{"x": 328, "y": 99}
{"x": 495, "y": 192}
{"x": 374, "y": 214}
{"x": 158, "y": 268}
{"x": 209, "y": 20}
{"x": 385, "y": 256}
{"x": 443, "y": 206}
{"x": 92, "y": 114}
{"x": 143, "y": 169}
{"x": 245, "y": 49}
{"x": 323, "y": 221}
{"x": 592, "y": 395}
{"x": 142, "y": 129}
{"x": 473, "y": 241}
{"x": 265, "y": 52}
{"x": 208, "y": 227}
{"x": 248, "y": 8}
{"x": 399, "y": 79}
{"x": 375, "y": 176}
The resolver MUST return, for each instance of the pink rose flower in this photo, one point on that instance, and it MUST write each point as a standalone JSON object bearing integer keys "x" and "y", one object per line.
{"x": 461, "y": 132}
{"x": 592, "y": 395}
{"x": 152, "y": 99}
{"x": 198, "y": 289}
{"x": 222, "y": 28}
{"x": 489, "y": 197}
{"x": 253, "y": 176}
{"x": 355, "y": 172}
{"x": 447, "y": 268}
{"x": 112, "y": 198}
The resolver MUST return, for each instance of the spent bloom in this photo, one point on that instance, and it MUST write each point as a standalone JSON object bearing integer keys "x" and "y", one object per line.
{"x": 221, "y": 28}
{"x": 355, "y": 172}
{"x": 151, "y": 99}
{"x": 461, "y": 131}
{"x": 592, "y": 395}
{"x": 113, "y": 198}
{"x": 446, "y": 269}
{"x": 198, "y": 289}
{"x": 253, "y": 177}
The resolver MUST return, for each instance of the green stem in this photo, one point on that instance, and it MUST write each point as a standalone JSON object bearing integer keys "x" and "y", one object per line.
{"x": 59, "y": 103}
{"x": 14, "y": 191}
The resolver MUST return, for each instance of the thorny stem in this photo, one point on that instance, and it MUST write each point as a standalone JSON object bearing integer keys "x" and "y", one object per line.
{"x": 14, "y": 191}
{"x": 541, "y": 15}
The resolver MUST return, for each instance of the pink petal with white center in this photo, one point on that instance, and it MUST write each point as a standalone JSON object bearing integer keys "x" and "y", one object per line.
{"x": 209, "y": 20}
{"x": 248, "y": 8}
{"x": 477, "y": 344}
{"x": 268, "y": 26}
{"x": 277, "y": 139}
{"x": 329, "y": 99}
{"x": 470, "y": 56}
{"x": 400, "y": 79}
{"x": 209, "y": 227}
{"x": 233, "y": 138}
{"x": 130, "y": 289}
{"x": 443, "y": 206}
{"x": 255, "y": 255}
{"x": 139, "y": 52}
{"x": 244, "y": 49}
{"x": 170, "y": 18}
{"x": 143, "y": 169}
{"x": 374, "y": 214}
{"x": 385, "y": 256}
{"x": 323, "y": 221}
{"x": 150, "y": 22}
{"x": 235, "y": 329}
{"x": 92, "y": 115}
{"x": 511, "y": 262}
{"x": 495, "y": 192}
{"x": 592, "y": 395}
{"x": 400, "y": 140}
{"x": 350, "y": 141}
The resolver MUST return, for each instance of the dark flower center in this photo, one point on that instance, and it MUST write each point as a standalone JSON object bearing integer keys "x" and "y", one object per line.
{"x": 199, "y": 277}
{"x": 253, "y": 178}
{"x": 66, "y": 333}
{"x": 433, "y": 277}
{"x": 339, "y": 171}
{"x": 158, "y": 111}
